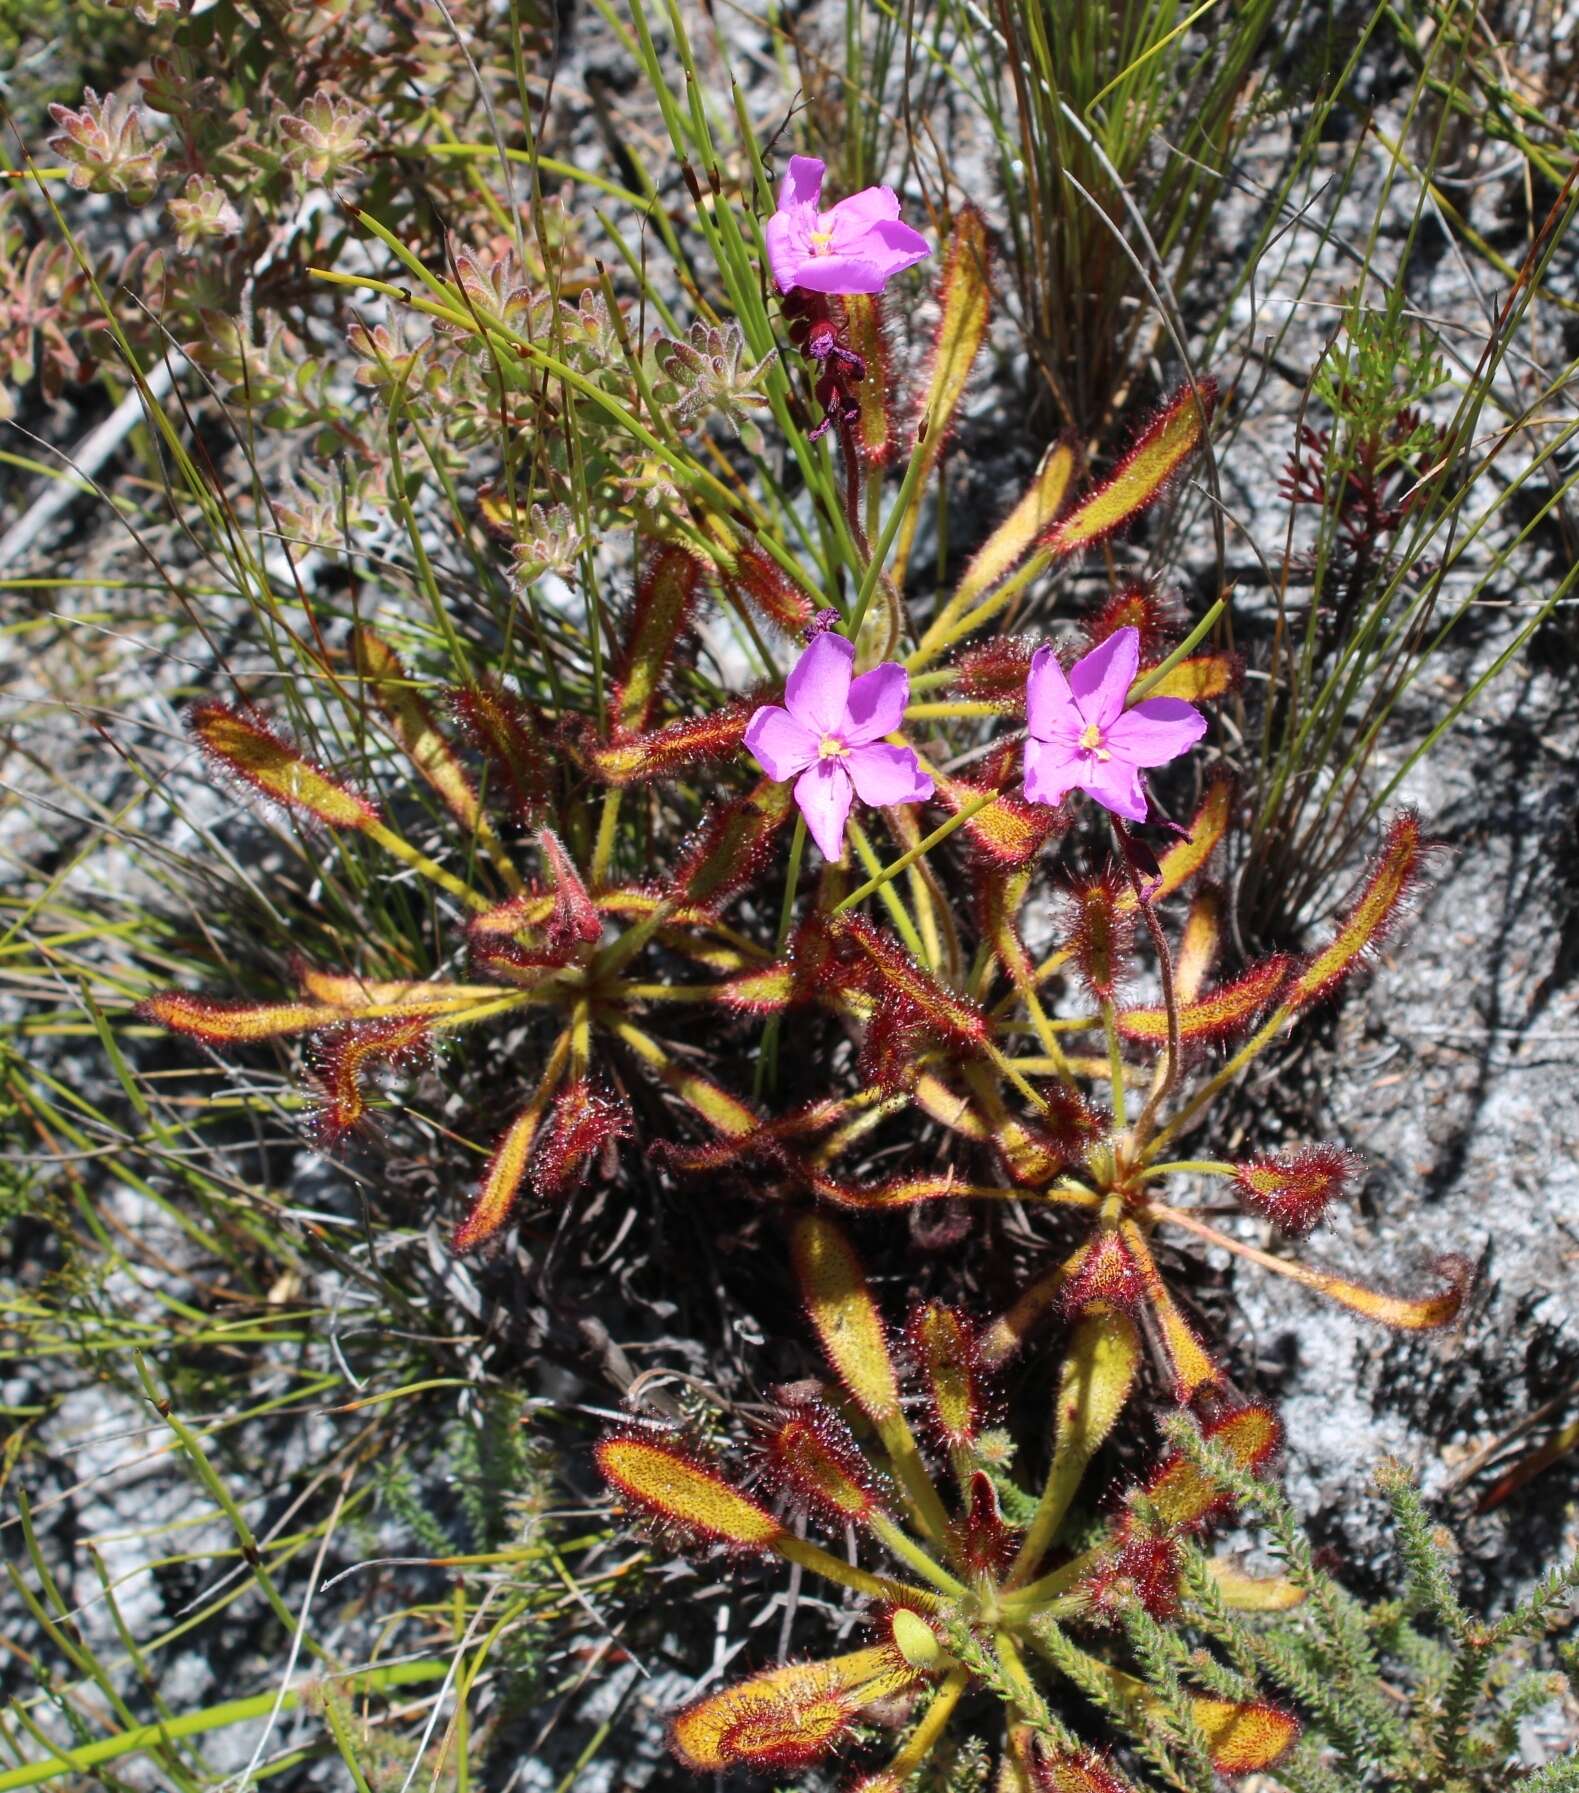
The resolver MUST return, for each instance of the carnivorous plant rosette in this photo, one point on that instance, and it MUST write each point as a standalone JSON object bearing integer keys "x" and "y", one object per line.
{"x": 973, "y": 1580}
{"x": 560, "y": 950}
{"x": 1058, "y": 1080}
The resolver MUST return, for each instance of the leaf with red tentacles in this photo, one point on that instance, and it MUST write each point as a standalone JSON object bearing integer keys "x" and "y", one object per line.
{"x": 543, "y": 928}
{"x": 504, "y": 729}
{"x": 866, "y": 333}
{"x": 732, "y": 844}
{"x": 1065, "y": 1129}
{"x": 1098, "y": 931}
{"x": 895, "y": 1037}
{"x": 346, "y": 1054}
{"x": 996, "y": 672}
{"x": 584, "y": 1124}
{"x": 1085, "y": 1773}
{"x": 1295, "y": 1189}
{"x": 1189, "y": 857}
{"x": 1105, "y": 1273}
{"x": 502, "y": 1180}
{"x": 1142, "y": 1566}
{"x": 1228, "y": 1010}
{"x": 809, "y": 1454}
{"x": 1152, "y": 614}
{"x": 666, "y": 590}
{"x": 942, "y": 1345}
{"x": 1393, "y": 877}
{"x": 788, "y": 1717}
{"x": 673, "y": 1486}
{"x": 242, "y": 744}
{"x": 575, "y": 922}
{"x": 1158, "y": 455}
{"x": 986, "y": 1544}
{"x": 1009, "y": 830}
{"x": 756, "y": 578}
{"x": 893, "y": 971}
{"x": 1185, "y": 1498}
{"x": 1200, "y": 678}
{"x": 415, "y": 727}
{"x": 639, "y": 759}
{"x": 222, "y": 1023}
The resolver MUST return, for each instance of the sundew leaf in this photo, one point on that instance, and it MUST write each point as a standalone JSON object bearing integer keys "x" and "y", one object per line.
{"x": 502, "y": 1179}
{"x": 416, "y": 729}
{"x": 669, "y": 1485}
{"x": 1243, "y": 1736}
{"x": 833, "y": 1286}
{"x": 966, "y": 300}
{"x": 665, "y": 593}
{"x": 246, "y": 746}
{"x": 220, "y": 1023}
{"x": 1184, "y": 1496}
{"x": 1225, "y": 1011}
{"x": 866, "y": 333}
{"x": 786, "y": 1717}
{"x": 1394, "y": 873}
{"x": 1189, "y": 856}
{"x": 1140, "y": 479}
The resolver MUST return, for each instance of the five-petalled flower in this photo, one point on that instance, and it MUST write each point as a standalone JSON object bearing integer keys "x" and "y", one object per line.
{"x": 856, "y": 247}
{"x": 828, "y": 736}
{"x": 1082, "y": 737}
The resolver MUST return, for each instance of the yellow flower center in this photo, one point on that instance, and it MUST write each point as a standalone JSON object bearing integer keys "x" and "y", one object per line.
{"x": 831, "y": 748}
{"x": 821, "y": 241}
{"x": 1091, "y": 741}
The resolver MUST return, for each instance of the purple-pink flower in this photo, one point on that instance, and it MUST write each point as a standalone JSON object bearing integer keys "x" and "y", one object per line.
{"x": 1082, "y": 736}
{"x": 828, "y": 736}
{"x": 857, "y": 247}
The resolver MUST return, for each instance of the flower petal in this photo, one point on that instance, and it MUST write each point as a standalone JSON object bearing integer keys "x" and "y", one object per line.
{"x": 824, "y": 792}
{"x": 885, "y": 774}
{"x": 1156, "y": 731}
{"x": 1101, "y": 681}
{"x": 1049, "y": 703}
{"x": 782, "y": 747}
{"x": 802, "y": 182}
{"x": 859, "y": 273}
{"x": 1051, "y": 770}
{"x": 1115, "y": 784}
{"x": 852, "y": 218}
{"x": 876, "y": 704}
{"x": 894, "y": 247}
{"x": 789, "y": 248}
{"x": 816, "y": 690}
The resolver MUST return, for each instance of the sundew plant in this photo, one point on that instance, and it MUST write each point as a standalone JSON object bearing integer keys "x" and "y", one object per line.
{"x": 613, "y": 789}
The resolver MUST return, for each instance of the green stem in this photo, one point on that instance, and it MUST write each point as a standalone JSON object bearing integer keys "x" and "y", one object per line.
{"x": 1115, "y": 1062}
{"x": 766, "y": 1076}
{"x": 1226, "y": 1074}
{"x": 909, "y": 1551}
{"x": 918, "y": 851}
{"x": 210, "y": 1718}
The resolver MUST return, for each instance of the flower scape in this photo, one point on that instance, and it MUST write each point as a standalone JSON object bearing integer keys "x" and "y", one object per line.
{"x": 968, "y": 788}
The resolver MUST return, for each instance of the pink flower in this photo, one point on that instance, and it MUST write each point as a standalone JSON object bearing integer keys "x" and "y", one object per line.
{"x": 1081, "y": 734}
{"x": 829, "y": 731}
{"x": 858, "y": 247}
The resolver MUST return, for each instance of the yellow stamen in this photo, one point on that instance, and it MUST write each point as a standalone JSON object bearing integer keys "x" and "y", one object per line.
{"x": 831, "y": 748}
{"x": 1091, "y": 741}
{"x": 820, "y": 241}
